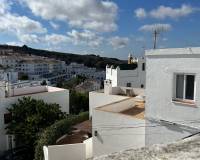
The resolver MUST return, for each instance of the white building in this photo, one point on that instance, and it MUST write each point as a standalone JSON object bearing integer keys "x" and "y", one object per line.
{"x": 10, "y": 93}
{"x": 81, "y": 69}
{"x": 127, "y": 75}
{"x": 172, "y": 94}
{"x": 114, "y": 112}
{"x": 8, "y": 75}
{"x": 171, "y": 111}
{"x": 33, "y": 66}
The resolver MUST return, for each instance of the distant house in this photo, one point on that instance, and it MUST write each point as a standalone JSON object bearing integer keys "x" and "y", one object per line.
{"x": 11, "y": 92}
{"x": 127, "y": 75}
{"x": 87, "y": 86}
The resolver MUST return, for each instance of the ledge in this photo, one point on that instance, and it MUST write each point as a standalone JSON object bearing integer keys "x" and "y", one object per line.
{"x": 184, "y": 102}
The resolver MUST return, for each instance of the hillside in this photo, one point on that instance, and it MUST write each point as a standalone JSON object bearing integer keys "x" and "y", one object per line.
{"x": 89, "y": 60}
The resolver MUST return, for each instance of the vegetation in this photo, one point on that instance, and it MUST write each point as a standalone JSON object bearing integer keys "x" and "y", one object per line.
{"x": 29, "y": 118}
{"x": 55, "y": 131}
{"x": 72, "y": 83}
{"x": 23, "y": 77}
{"x": 79, "y": 102}
{"x": 89, "y": 60}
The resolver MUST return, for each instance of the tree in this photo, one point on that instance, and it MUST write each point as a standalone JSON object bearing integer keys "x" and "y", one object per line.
{"x": 29, "y": 118}
{"x": 79, "y": 102}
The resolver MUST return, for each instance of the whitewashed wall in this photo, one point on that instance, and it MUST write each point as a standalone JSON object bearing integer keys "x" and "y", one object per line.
{"x": 60, "y": 97}
{"x": 89, "y": 147}
{"x": 77, "y": 151}
{"x": 65, "y": 152}
{"x": 121, "y": 77}
{"x": 97, "y": 99}
{"x": 115, "y": 132}
{"x": 161, "y": 66}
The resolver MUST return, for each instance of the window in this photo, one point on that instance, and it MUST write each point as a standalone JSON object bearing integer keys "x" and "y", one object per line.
{"x": 128, "y": 85}
{"x": 185, "y": 84}
{"x": 143, "y": 66}
{"x": 7, "y": 118}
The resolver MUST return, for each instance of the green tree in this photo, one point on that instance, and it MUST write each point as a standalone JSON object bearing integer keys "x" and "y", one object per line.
{"x": 79, "y": 102}
{"x": 29, "y": 118}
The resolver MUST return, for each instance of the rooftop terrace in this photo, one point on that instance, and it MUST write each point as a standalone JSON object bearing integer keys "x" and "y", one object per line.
{"x": 134, "y": 107}
{"x": 174, "y": 51}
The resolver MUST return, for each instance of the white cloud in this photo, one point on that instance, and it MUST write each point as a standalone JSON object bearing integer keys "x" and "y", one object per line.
{"x": 140, "y": 13}
{"x": 158, "y": 27}
{"x": 4, "y": 6}
{"x": 163, "y": 12}
{"x": 13, "y": 43}
{"x": 22, "y": 27}
{"x": 20, "y": 24}
{"x": 118, "y": 42}
{"x": 56, "y": 39}
{"x": 88, "y": 14}
{"x": 54, "y": 25}
{"x": 85, "y": 37}
{"x": 28, "y": 38}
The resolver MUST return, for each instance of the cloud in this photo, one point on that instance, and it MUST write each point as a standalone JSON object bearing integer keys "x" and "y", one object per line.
{"x": 85, "y": 37}
{"x": 13, "y": 43}
{"x": 163, "y": 12}
{"x": 140, "y": 13}
{"x": 157, "y": 26}
{"x": 87, "y": 14}
{"x": 22, "y": 27}
{"x": 55, "y": 39}
{"x": 119, "y": 42}
{"x": 28, "y": 38}
{"x": 54, "y": 25}
{"x": 20, "y": 24}
{"x": 4, "y": 6}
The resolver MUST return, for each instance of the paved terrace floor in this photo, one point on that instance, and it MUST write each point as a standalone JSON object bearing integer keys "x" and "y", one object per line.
{"x": 137, "y": 110}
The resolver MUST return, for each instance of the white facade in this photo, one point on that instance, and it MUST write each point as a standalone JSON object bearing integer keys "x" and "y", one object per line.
{"x": 172, "y": 101}
{"x": 33, "y": 66}
{"x": 127, "y": 75}
{"x": 111, "y": 123}
{"x": 8, "y": 75}
{"x": 81, "y": 69}
{"x": 174, "y": 117}
{"x": 10, "y": 95}
{"x": 114, "y": 130}
{"x": 77, "y": 151}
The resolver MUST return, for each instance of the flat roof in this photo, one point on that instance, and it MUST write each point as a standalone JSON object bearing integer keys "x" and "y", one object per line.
{"x": 173, "y": 51}
{"x": 137, "y": 110}
{"x": 49, "y": 89}
{"x": 55, "y": 89}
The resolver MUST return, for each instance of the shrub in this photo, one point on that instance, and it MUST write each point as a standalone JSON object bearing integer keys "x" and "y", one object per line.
{"x": 55, "y": 131}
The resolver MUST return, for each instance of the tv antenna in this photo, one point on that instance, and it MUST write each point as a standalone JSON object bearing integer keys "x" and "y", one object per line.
{"x": 156, "y": 29}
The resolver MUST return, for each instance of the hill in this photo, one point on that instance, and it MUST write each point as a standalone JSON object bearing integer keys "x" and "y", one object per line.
{"x": 89, "y": 60}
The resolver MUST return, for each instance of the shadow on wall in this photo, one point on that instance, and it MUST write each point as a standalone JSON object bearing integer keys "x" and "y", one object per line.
{"x": 175, "y": 127}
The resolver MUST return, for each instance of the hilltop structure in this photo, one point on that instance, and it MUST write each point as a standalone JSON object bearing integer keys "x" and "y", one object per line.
{"x": 127, "y": 75}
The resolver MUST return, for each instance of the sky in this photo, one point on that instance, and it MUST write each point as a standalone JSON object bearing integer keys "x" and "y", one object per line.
{"x": 111, "y": 28}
